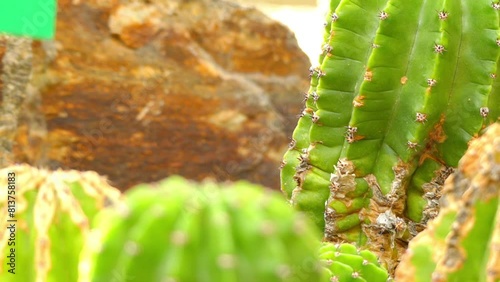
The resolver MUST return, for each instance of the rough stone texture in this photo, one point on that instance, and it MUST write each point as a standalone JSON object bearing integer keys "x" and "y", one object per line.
{"x": 17, "y": 65}
{"x": 211, "y": 91}
{"x": 136, "y": 23}
{"x": 2, "y": 52}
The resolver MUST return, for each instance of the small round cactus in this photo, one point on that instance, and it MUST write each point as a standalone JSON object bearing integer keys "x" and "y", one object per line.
{"x": 345, "y": 263}
{"x": 48, "y": 216}
{"x": 463, "y": 242}
{"x": 177, "y": 230}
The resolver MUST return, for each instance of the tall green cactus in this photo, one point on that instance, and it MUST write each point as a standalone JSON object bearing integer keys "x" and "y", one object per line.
{"x": 180, "y": 231}
{"x": 48, "y": 216}
{"x": 401, "y": 90}
{"x": 463, "y": 242}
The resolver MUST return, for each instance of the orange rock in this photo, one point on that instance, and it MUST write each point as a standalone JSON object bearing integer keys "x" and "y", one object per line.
{"x": 135, "y": 23}
{"x": 207, "y": 91}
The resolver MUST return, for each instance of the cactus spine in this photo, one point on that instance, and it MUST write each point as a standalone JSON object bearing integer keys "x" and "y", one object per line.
{"x": 53, "y": 213}
{"x": 463, "y": 242}
{"x": 180, "y": 231}
{"x": 404, "y": 87}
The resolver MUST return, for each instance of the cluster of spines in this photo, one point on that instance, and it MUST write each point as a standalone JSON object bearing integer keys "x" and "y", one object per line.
{"x": 463, "y": 242}
{"x": 344, "y": 263}
{"x": 208, "y": 232}
{"x": 395, "y": 99}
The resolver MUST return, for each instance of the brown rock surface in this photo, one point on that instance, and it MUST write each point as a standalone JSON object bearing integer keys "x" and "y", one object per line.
{"x": 210, "y": 89}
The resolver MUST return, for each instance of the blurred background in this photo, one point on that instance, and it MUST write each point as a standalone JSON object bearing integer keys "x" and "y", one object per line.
{"x": 140, "y": 90}
{"x": 303, "y": 17}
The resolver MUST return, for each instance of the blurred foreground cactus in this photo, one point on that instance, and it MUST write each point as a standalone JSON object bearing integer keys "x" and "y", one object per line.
{"x": 463, "y": 242}
{"x": 179, "y": 231}
{"x": 48, "y": 219}
{"x": 401, "y": 89}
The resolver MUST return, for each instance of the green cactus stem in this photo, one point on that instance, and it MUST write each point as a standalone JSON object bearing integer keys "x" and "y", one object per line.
{"x": 345, "y": 263}
{"x": 49, "y": 219}
{"x": 405, "y": 87}
{"x": 319, "y": 135}
{"x": 463, "y": 242}
{"x": 177, "y": 230}
{"x": 293, "y": 159}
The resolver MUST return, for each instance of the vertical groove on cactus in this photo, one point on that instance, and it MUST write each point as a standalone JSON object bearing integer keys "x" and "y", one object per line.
{"x": 463, "y": 242}
{"x": 472, "y": 80}
{"x": 54, "y": 211}
{"x": 491, "y": 113}
{"x": 468, "y": 94}
{"x": 394, "y": 91}
{"x": 329, "y": 18}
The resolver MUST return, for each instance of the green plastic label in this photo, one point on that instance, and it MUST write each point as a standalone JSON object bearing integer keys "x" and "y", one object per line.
{"x": 33, "y": 18}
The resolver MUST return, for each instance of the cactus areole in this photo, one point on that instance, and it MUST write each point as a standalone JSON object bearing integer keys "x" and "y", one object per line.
{"x": 401, "y": 89}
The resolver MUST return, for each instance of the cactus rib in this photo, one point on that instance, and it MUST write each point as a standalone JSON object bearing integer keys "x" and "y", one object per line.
{"x": 462, "y": 242}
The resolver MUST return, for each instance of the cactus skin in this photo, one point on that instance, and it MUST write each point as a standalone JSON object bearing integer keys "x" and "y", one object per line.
{"x": 300, "y": 137}
{"x": 54, "y": 211}
{"x": 345, "y": 263}
{"x": 405, "y": 88}
{"x": 463, "y": 242}
{"x": 176, "y": 230}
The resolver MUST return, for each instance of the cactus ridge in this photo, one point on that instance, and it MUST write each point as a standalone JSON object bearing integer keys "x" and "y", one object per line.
{"x": 469, "y": 101}
{"x": 344, "y": 262}
{"x": 292, "y": 161}
{"x": 473, "y": 77}
{"x": 208, "y": 232}
{"x": 463, "y": 242}
{"x": 333, "y": 105}
{"x": 492, "y": 111}
{"x": 54, "y": 212}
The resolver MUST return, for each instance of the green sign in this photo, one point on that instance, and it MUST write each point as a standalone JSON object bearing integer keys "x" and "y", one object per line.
{"x": 33, "y": 18}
